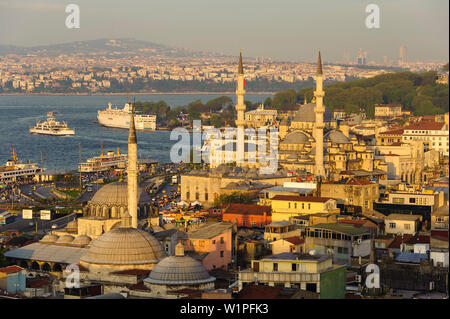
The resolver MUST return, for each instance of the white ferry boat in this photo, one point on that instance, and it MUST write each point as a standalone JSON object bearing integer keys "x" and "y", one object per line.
{"x": 120, "y": 118}
{"x": 104, "y": 162}
{"x": 14, "y": 170}
{"x": 52, "y": 127}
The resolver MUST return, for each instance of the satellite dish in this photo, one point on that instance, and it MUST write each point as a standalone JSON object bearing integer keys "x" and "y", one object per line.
{"x": 313, "y": 252}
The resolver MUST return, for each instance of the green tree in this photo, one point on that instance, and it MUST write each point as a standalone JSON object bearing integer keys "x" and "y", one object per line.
{"x": 235, "y": 197}
{"x": 2, "y": 258}
{"x": 217, "y": 121}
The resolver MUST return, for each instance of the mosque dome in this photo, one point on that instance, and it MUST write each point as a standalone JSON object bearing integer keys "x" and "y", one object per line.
{"x": 306, "y": 114}
{"x": 179, "y": 270}
{"x": 65, "y": 239}
{"x": 82, "y": 240}
{"x": 336, "y": 137}
{"x": 116, "y": 194}
{"x": 295, "y": 138}
{"x": 124, "y": 246}
{"x": 49, "y": 238}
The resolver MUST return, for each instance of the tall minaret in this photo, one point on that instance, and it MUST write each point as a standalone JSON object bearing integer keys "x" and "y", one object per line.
{"x": 240, "y": 108}
{"x": 132, "y": 172}
{"x": 319, "y": 110}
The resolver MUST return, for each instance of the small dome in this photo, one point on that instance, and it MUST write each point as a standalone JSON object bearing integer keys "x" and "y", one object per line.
{"x": 336, "y": 137}
{"x": 49, "y": 238}
{"x": 179, "y": 270}
{"x": 72, "y": 224}
{"x": 65, "y": 239}
{"x": 296, "y": 138}
{"x": 82, "y": 240}
{"x": 124, "y": 246}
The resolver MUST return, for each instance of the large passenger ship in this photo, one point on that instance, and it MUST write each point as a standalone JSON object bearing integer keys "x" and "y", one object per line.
{"x": 52, "y": 127}
{"x": 120, "y": 118}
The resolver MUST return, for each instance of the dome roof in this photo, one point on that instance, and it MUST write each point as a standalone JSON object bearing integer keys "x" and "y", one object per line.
{"x": 336, "y": 137}
{"x": 124, "y": 246}
{"x": 116, "y": 194}
{"x": 82, "y": 240}
{"x": 65, "y": 239}
{"x": 306, "y": 114}
{"x": 179, "y": 270}
{"x": 49, "y": 238}
{"x": 296, "y": 138}
{"x": 72, "y": 224}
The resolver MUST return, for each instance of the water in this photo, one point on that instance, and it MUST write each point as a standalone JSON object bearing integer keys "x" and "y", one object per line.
{"x": 18, "y": 113}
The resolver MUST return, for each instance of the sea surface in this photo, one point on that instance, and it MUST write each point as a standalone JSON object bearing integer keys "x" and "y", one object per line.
{"x": 19, "y": 112}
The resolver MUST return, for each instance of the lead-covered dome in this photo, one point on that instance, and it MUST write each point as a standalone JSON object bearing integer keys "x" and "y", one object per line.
{"x": 124, "y": 246}
{"x": 336, "y": 137}
{"x": 49, "y": 239}
{"x": 306, "y": 113}
{"x": 179, "y": 270}
{"x": 116, "y": 194}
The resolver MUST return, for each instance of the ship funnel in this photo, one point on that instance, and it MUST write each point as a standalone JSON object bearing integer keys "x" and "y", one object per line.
{"x": 118, "y": 152}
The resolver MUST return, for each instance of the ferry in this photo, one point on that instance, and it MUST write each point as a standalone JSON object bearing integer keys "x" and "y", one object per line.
{"x": 52, "y": 127}
{"x": 120, "y": 118}
{"x": 15, "y": 170}
{"x": 104, "y": 162}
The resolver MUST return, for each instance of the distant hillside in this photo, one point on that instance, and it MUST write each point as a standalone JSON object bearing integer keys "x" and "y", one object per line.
{"x": 105, "y": 47}
{"x": 417, "y": 92}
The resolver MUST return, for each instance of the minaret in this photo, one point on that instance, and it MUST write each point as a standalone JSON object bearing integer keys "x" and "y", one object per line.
{"x": 240, "y": 108}
{"x": 132, "y": 172}
{"x": 319, "y": 110}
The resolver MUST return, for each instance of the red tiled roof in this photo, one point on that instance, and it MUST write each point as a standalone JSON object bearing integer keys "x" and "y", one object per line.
{"x": 11, "y": 269}
{"x": 261, "y": 292}
{"x": 247, "y": 209}
{"x": 295, "y": 240}
{"x": 295, "y": 198}
{"x": 440, "y": 234}
{"x": 357, "y": 181}
{"x": 393, "y": 132}
{"x": 409, "y": 239}
{"x": 133, "y": 272}
{"x": 426, "y": 125}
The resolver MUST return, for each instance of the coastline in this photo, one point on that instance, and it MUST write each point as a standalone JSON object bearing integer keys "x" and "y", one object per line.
{"x": 132, "y": 93}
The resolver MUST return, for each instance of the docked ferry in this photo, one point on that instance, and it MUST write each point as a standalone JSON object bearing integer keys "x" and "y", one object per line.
{"x": 52, "y": 127}
{"x": 120, "y": 118}
{"x": 104, "y": 162}
{"x": 14, "y": 170}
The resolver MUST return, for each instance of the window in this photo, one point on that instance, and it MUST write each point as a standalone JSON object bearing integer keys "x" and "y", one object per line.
{"x": 221, "y": 253}
{"x": 289, "y": 205}
{"x": 206, "y": 196}
{"x": 392, "y": 225}
{"x": 412, "y": 200}
{"x": 407, "y": 226}
{"x": 221, "y": 240}
{"x": 275, "y": 267}
{"x": 397, "y": 200}
{"x": 303, "y": 205}
{"x": 214, "y": 242}
{"x": 294, "y": 267}
{"x": 309, "y": 206}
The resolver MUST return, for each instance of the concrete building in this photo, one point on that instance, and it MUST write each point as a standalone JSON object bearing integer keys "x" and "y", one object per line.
{"x": 342, "y": 241}
{"x": 387, "y": 111}
{"x": 313, "y": 273}
{"x": 402, "y": 224}
{"x": 12, "y": 279}
{"x": 285, "y": 207}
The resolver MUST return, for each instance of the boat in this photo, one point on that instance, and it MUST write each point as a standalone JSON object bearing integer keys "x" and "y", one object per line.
{"x": 15, "y": 170}
{"x": 52, "y": 127}
{"x": 120, "y": 118}
{"x": 104, "y": 162}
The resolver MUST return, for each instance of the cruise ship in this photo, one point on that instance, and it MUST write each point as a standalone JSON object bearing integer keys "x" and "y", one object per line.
{"x": 14, "y": 170}
{"x": 52, "y": 127}
{"x": 104, "y": 162}
{"x": 120, "y": 118}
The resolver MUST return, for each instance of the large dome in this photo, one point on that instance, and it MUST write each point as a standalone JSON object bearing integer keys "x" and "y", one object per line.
{"x": 124, "y": 246}
{"x": 116, "y": 194}
{"x": 179, "y": 270}
{"x": 336, "y": 137}
{"x": 306, "y": 114}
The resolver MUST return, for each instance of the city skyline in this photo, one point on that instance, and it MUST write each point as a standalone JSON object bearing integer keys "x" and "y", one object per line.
{"x": 291, "y": 29}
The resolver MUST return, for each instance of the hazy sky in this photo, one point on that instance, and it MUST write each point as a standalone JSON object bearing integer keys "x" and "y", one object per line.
{"x": 284, "y": 29}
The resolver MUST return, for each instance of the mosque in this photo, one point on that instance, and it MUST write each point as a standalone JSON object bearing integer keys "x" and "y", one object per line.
{"x": 122, "y": 258}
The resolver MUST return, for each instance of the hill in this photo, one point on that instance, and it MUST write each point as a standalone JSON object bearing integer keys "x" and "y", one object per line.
{"x": 417, "y": 92}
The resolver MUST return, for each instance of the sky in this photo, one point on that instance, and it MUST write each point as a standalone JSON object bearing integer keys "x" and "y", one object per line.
{"x": 289, "y": 30}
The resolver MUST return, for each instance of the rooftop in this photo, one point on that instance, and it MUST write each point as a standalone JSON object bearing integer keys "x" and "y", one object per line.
{"x": 295, "y": 198}
{"x": 347, "y": 229}
{"x": 403, "y": 217}
{"x": 246, "y": 209}
{"x": 210, "y": 231}
{"x": 297, "y": 256}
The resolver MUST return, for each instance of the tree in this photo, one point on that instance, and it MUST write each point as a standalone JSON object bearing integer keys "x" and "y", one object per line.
{"x": 217, "y": 121}
{"x": 2, "y": 258}
{"x": 235, "y": 198}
